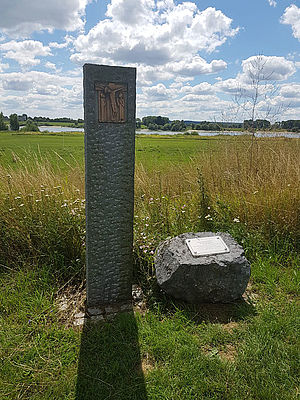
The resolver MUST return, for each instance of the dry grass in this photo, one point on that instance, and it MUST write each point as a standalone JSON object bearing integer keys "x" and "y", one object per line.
{"x": 266, "y": 195}
{"x": 42, "y": 210}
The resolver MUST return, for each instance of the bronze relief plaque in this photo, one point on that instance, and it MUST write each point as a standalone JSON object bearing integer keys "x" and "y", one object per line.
{"x": 112, "y": 98}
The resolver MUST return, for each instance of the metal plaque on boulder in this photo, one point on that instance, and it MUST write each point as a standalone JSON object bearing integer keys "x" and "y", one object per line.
{"x": 207, "y": 246}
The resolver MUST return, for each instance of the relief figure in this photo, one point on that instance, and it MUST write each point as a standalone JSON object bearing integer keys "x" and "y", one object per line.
{"x": 111, "y": 102}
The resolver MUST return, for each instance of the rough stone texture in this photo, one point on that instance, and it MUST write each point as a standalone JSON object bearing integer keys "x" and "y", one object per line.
{"x": 211, "y": 279}
{"x": 109, "y": 182}
{"x": 108, "y": 312}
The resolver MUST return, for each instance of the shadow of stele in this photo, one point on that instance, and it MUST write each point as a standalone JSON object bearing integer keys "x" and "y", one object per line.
{"x": 110, "y": 365}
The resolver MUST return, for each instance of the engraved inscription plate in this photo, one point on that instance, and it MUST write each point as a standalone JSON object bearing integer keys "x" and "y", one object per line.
{"x": 111, "y": 102}
{"x": 207, "y": 246}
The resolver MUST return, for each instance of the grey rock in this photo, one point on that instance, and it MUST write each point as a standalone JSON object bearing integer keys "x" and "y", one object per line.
{"x": 79, "y": 321}
{"x": 95, "y": 311}
{"x": 126, "y": 307}
{"x": 215, "y": 278}
{"x": 79, "y": 315}
{"x": 97, "y": 318}
{"x": 111, "y": 309}
{"x": 137, "y": 293}
{"x": 111, "y": 317}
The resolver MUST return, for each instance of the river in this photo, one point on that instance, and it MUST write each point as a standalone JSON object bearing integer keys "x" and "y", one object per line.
{"x": 295, "y": 135}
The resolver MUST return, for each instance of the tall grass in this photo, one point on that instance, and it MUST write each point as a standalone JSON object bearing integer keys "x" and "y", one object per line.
{"x": 219, "y": 191}
{"x": 42, "y": 210}
{"x": 42, "y": 217}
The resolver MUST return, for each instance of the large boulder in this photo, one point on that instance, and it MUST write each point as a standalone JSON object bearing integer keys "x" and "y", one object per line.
{"x": 202, "y": 279}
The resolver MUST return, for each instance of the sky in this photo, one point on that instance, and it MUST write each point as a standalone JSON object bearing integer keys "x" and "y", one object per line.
{"x": 193, "y": 58}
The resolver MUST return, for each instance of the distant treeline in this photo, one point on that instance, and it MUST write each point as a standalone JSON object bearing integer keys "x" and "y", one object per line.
{"x": 62, "y": 119}
{"x": 46, "y": 120}
{"x": 292, "y": 125}
{"x": 155, "y": 123}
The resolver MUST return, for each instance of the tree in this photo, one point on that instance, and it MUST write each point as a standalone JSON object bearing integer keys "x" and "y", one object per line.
{"x": 30, "y": 126}
{"x": 138, "y": 123}
{"x": 166, "y": 127}
{"x": 257, "y": 124}
{"x": 178, "y": 126}
{"x": 153, "y": 127}
{"x": 152, "y": 119}
{"x": 3, "y": 126}
{"x": 13, "y": 122}
{"x": 255, "y": 97}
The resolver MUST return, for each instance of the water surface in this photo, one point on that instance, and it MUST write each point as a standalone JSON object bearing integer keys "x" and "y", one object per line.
{"x": 58, "y": 129}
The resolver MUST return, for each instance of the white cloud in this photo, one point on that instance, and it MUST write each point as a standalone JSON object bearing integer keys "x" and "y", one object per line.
{"x": 195, "y": 66}
{"x": 270, "y": 68}
{"x": 147, "y": 75}
{"x": 158, "y": 92}
{"x": 291, "y": 17}
{"x": 17, "y": 83}
{"x": 38, "y": 78}
{"x": 159, "y": 36}
{"x": 25, "y": 52}
{"x": 289, "y": 91}
{"x": 271, "y": 95}
{"x": 203, "y": 88}
{"x": 186, "y": 69}
{"x": 272, "y": 3}
{"x": 3, "y": 66}
{"x": 135, "y": 12}
{"x": 19, "y": 18}
{"x": 68, "y": 39}
{"x": 50, "y": 65}
{"x": 40, "y": 92}
{"x": 192, "y": 107}
{"x": 179, "y": 82}
{"x": 52, "y": 90}
{"x": 200, "y": 98}
{"x": 230, "y": 86}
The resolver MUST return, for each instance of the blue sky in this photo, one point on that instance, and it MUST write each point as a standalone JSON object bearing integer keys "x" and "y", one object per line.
{"x": 194, "y": 58}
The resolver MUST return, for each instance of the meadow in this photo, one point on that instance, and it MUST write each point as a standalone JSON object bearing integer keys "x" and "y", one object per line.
{"x": 166, "y": 349}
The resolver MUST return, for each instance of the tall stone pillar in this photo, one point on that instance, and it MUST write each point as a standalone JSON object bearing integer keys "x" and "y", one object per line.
{"x": 109, "y": 114}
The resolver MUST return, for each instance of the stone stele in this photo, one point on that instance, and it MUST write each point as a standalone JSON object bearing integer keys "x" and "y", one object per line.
{"x": 219, "y": 278}
{"x": 109, "y": 114}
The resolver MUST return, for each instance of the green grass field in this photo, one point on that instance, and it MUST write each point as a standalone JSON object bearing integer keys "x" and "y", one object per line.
{"x": 153, "y": 152}
{"x": 69, "y": 146}
{"x": 18, "y": 148}
{"x": 166, "y": 350}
